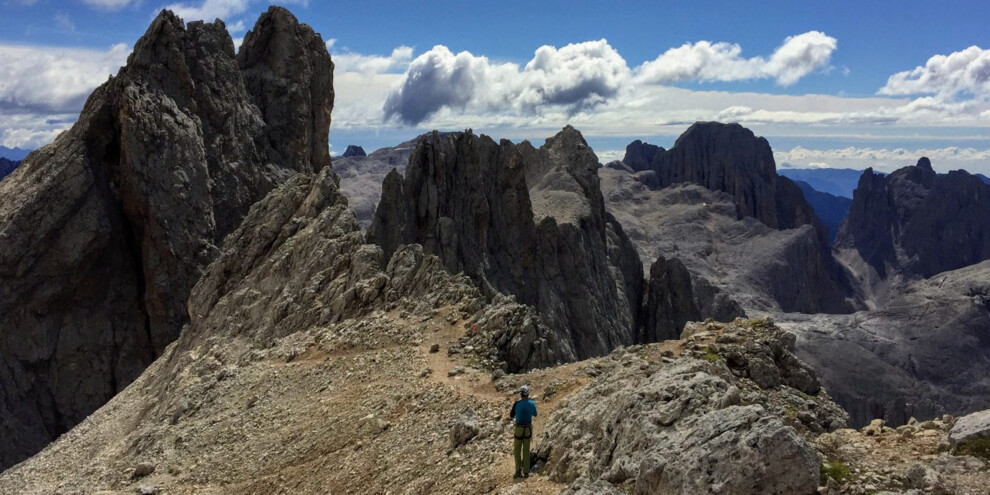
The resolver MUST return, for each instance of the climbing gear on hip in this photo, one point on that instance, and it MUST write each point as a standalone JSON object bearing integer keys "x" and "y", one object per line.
{"x": 523, "y": 432}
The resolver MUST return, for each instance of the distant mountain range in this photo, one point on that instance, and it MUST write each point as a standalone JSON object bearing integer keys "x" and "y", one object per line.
{"x": 835, "y": 181}
{"x": 14, "y": 154}
{"x": 830, "y": 208}
{"x": 7, "y": 166}
{"x": 983, "y": 178}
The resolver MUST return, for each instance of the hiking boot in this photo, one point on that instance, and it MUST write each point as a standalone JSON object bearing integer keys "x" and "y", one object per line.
{"x": 525, "y": 475}
{"x": 517, "y": 475}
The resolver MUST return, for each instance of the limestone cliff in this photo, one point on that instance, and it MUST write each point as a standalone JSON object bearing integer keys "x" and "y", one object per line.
{"x": 110, "y": 226}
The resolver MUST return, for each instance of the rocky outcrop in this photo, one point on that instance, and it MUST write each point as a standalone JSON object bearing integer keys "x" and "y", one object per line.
{"x": 734, "y": 263}
{"x": 354, "y": 150}
{"x": 922, "y": 355}
{"x": 690, "y": 423}
{"x": 525, "y": 222}
{"x": 112, "y": 224}
{"x": 639, "y": 155}
{"x": 361, "y": 177}
{"x": 970, "y": 429}
{"x": 7, "y": 167}
{"x": 892, "y": 220}
{"x": 668, "y": 303}
{"x": 729, "y": 159}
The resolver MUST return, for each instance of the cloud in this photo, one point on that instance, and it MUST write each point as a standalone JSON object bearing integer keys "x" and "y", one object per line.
{"x": 962, "y": 72}
{"x": 371, "y": 64}
{"x": 208, "y": 10}
{"x": 576, "y": 76}
{"x": 53, "y": 79}
{"x": 705, "y": 61}
{"x": 107, "y": 4}
{"x": 886, "y": 159}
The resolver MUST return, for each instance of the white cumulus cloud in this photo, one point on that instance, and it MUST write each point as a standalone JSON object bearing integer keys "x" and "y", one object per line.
{"x": 371, "y": 64}
{"x": 54, "y": 79}
{"x": 579, "y": 75}
{"x": 705, "y": 61}
{"x": 962, "y": 72}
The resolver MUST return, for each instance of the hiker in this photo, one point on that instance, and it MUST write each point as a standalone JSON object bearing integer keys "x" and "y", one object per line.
{"x": 523, "y": 411}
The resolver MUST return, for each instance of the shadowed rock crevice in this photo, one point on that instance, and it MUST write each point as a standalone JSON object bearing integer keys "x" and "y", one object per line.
{"x": 112, "y": 224}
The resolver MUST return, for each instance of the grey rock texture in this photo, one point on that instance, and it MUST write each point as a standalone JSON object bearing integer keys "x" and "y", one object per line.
{"x": 731, "y": 159}
{"x": 680, "y": 427}
{"x": 525, "y": 222}
{"x": 735, "y": 263}
{"x": 732, "y": 162}
{"x": 361, "y": 177}
{"x": 925, "y": 353}
{"x": 113, "y": 223}
{"x": 918, "y": 223}
{"x": 970, "y": 427}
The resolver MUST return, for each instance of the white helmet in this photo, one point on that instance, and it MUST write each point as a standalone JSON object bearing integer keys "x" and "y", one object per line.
{"x": 524, "y": 391}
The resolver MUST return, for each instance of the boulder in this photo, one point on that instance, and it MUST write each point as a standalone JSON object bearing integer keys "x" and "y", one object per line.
{"x": 672, "y": 432}
{"x": 970, "y": 427}
{"x": 467, "y": 427}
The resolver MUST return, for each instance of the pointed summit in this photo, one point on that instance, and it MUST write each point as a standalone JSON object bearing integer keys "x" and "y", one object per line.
{"x": 111, "y": 225}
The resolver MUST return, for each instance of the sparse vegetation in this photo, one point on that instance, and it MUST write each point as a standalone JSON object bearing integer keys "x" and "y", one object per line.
{"x": 836, "y": 470}
{"x": 977, "y": 447}
{"x": 711, "y": 356}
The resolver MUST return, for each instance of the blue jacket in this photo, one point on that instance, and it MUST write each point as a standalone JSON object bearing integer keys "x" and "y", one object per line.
{"x": 524, "y": 410}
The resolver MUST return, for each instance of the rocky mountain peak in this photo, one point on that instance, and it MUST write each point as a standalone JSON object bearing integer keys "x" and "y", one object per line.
{"x": 528, "y": 223}
{"x": 113, "y": 223}
{"x": 893, "y": 218}
{"x": 640, "y": 155}
{"x": 354, "y": 150}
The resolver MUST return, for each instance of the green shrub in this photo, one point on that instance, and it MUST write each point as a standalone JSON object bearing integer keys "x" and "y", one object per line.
{"x": 836, "y": 470}
{"x": 711, "y": 356}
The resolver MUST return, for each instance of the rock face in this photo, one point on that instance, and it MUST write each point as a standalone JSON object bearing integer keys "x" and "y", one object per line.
{"x": 639, "y": 155}
{"x": 681, "y": 427}
{"x": 361, "y": 177}
{"x": 354, "y": 150}
{"x": 893, "y": 219}
{"x": 700, "y": 228}
{"x": 7, "y": 166}
{"x": 924, "y": 354}
{"x": 969, "y": 428}
{"x": 112, "y": 224}
{"x": 525, "y": 222}
{"x": 731, "y": 159}
{"x": 739, "y": 169}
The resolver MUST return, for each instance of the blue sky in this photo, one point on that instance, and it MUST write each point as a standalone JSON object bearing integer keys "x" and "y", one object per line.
{"x": 828, "y": 83}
